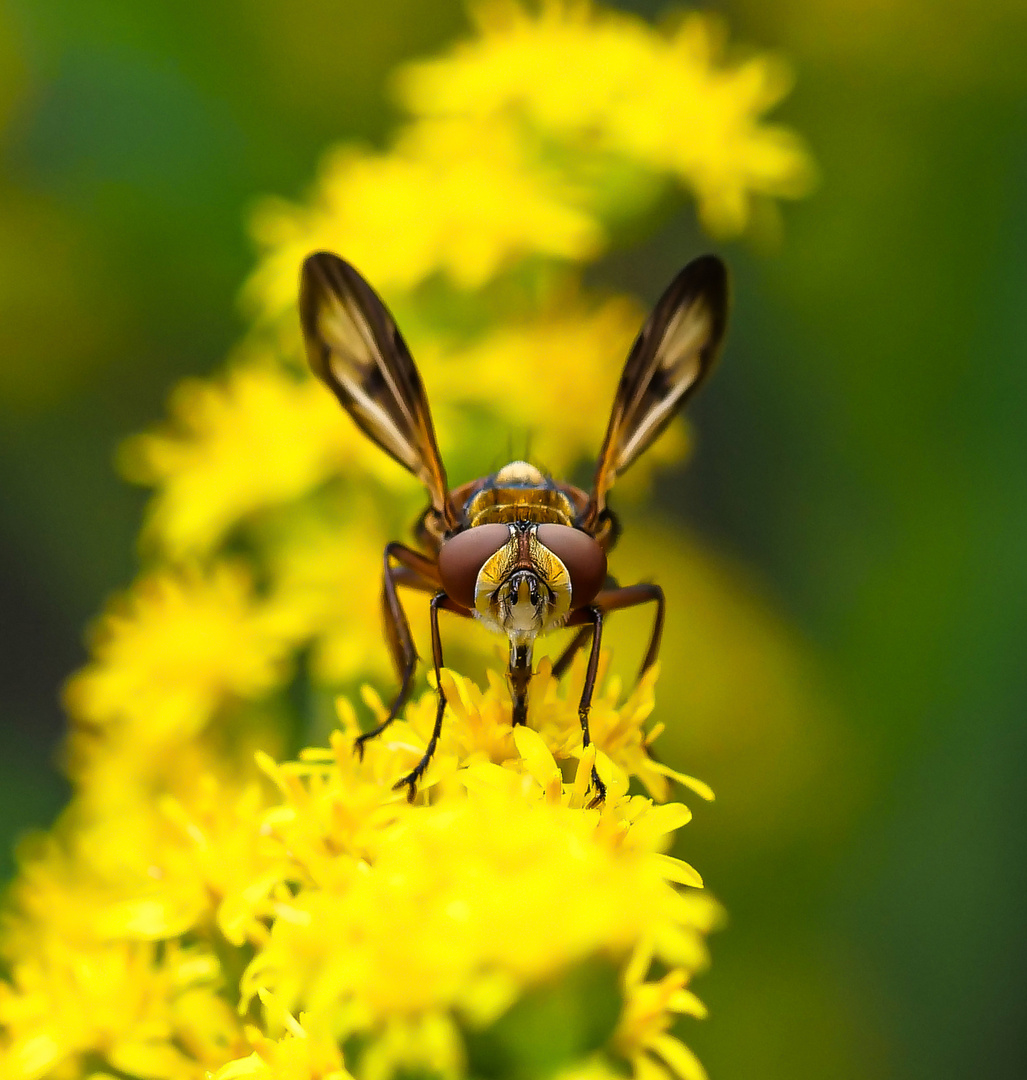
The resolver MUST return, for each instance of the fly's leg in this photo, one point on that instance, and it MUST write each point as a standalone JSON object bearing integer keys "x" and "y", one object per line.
{"x": 613, "y": 600}
{"x": 410, "y": 781}
{"x": 415, "y": 571}
{"x": 563, "y": 662}
{"x": 634, "y": 596}
{"x": 590, "y": 621}
{"x": 595, "y": 615}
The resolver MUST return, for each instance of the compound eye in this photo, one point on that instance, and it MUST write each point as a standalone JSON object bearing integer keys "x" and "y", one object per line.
{"x": 584, "y": 558}
{"x": 462, "y": 557}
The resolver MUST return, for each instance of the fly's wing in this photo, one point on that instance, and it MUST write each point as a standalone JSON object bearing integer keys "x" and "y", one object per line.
{"x": 672, "y": 355}
{"x": 354, "y": 347}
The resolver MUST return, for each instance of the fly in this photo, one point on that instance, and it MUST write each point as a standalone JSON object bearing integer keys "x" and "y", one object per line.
{"x": 521, "y": 552}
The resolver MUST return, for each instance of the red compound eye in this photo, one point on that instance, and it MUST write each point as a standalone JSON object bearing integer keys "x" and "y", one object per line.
{"x": 584, "y": 558}
{"x": 462, "y": 557}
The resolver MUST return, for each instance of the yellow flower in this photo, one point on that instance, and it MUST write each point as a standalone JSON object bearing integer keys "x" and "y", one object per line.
{"x": 467, "y": 199}
{"x": 659, "y": 98}
{"x": 172, "y": 650}
{"x": 326, "y": 573}
{"x": 649, "y": 1010}
{"x": 151, "y": 867}
{"x": 298, "y": 1055}
{"x": 113, "y": 926}
{"x": 433, "y": 923}
{"x": 482, "y": 729}
{"x": 512, "y": 153}
{"x": 404, "y": 914}
{"x": 257, "y": 436}
{"x": 133, "y": 1007}
{"x": 406, "y": 925}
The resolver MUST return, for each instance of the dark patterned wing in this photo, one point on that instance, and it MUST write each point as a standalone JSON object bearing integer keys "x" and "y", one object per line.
{"x": 354, "y": 347}
{"x": 674, "y": 352}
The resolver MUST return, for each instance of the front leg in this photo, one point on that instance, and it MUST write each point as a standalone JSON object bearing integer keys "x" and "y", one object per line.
{"x": 595, "y": 616}
{"x": 439, "y": 602}
{"x": 614, "y": 598}
{"x": 419, "y": 572}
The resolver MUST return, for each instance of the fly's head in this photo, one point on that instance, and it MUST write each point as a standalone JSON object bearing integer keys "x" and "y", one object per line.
{"x": 522, "y": 579}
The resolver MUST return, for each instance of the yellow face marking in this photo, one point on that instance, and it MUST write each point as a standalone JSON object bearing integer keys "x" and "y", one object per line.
{"x": 551, "y": 569}
{"x": 491, "y": 576}
{"x": 502, "y": 593}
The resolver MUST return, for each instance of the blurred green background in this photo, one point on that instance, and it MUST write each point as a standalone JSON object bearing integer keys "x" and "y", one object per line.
{"x": 863, "y": 451}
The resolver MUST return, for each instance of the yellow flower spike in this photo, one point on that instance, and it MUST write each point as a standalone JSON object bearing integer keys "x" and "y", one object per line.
{"x": 358, "y": 885}
{"x": 469, "y": 200}
{"x": 659, "y": 98}
{"x": 256, "y": 437}
{"x": 642, "y": 1031}
{"x": 173, "y": 649}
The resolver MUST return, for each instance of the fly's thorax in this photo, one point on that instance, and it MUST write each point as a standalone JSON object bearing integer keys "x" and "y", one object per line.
{"x": 522, "y": 579}
{"x": 519, "y": 492}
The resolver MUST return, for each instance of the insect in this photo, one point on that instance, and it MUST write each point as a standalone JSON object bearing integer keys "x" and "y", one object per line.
{"x": 518, "y": 550}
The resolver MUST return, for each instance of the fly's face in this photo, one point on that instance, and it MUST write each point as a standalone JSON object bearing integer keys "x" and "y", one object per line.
{"x": 519, "y": 551}
{"x": 522, "y": 579}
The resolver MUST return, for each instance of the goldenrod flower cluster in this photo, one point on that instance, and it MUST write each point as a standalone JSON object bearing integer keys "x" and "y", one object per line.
{"x": 206, "y": 907}
{"x": 224, "y": 925}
